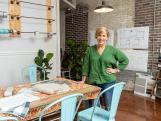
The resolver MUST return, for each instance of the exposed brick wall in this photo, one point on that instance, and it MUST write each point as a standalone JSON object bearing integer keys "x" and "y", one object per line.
{"x": 121, "y": 17}
{"x": 76, "y": 23}
{"x": 144, "y": 16}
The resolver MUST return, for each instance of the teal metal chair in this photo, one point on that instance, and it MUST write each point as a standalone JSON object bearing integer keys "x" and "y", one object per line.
{"x": 69, "y": 107}
{"x": 29, "y": 74}
{"x": 97, "y": 113}
{"x": 8, "y": 118}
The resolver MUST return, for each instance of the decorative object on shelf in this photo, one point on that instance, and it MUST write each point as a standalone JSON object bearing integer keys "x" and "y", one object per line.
{"x": 103, "y": 8}
{"x": 2, "y": 16}
{"x": 6, "y": 31}
{"x": 44, "y": 62}
{"x": 73, "y": 57}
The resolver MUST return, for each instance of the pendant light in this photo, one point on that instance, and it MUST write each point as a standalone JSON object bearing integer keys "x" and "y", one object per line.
{"x": 103, "y": 8}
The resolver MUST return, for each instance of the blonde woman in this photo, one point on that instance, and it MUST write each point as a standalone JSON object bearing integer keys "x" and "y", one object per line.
{"x": 101, "y": 64}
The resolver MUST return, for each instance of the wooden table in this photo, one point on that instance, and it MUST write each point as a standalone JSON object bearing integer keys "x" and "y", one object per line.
{"x": 89, "y": 91}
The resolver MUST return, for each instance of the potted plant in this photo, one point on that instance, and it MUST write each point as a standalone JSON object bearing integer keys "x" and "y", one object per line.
{"x": 44, "y": 62}
{"x": 73, "y": 57}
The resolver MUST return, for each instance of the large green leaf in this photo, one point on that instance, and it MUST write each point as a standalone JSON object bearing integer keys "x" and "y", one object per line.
{"x": 49, "y": 56}
{"x": 41, "y": 53}
{"x": 46, "y": 62}
{"x": 38, "y": 61}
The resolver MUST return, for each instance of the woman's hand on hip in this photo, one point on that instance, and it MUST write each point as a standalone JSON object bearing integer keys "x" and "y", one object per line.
{"x": 112, "y": 70}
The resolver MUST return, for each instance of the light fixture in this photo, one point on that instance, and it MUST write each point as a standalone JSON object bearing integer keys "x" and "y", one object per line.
{"x": 103, "y": 8}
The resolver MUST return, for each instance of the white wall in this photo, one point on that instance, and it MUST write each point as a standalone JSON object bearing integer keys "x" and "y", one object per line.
{"x": 62, "y": 28}
{"x": 16, "y": 53}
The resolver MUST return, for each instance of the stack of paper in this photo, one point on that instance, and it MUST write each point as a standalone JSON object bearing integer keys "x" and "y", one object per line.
{"x": 11, "y": 102}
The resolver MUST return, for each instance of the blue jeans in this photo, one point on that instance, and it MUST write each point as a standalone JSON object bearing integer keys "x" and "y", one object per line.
{"x": 107, "y": 96}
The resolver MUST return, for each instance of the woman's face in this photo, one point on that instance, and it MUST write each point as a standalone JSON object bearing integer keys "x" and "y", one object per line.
{"x": 102, "y": 38}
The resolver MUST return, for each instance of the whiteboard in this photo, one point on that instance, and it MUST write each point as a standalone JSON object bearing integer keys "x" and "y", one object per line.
{"x": 138, "y": 59}
{"x": 93, "y": 41}
{"x": 136, "y": 37}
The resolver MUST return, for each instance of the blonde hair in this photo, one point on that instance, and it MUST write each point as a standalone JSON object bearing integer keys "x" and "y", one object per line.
{"x": 100, "y": 30}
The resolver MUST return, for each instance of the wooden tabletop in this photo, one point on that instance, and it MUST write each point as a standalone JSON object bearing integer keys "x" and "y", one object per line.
{"x": 89, "y": 92}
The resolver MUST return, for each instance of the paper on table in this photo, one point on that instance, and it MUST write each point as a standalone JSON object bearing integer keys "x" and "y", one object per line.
{"x": 50, "y": 88}
{"x": 16, "y": 100}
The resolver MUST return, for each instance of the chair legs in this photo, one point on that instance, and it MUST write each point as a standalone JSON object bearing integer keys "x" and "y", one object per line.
{"x": 78, "y": 119}
{"x": 96, "y": 113}
{"x": 112, "y": 119}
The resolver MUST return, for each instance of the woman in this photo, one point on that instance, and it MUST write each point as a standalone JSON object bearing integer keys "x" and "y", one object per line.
{"x": 101, "y": 64}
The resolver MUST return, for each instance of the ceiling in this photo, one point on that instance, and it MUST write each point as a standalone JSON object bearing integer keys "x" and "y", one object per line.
{"x": 67, "y": 4}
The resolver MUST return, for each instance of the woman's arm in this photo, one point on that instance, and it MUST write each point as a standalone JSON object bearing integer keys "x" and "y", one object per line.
{"x": 122, "y": 59}
{"x": 84, "y": 78}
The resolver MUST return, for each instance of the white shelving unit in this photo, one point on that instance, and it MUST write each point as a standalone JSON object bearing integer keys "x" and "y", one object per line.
{"x": 141, "y": 85}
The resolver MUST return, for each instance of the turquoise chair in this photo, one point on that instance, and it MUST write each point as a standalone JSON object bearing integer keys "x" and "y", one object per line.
{"x": 29, "y": 74}
{"x": 97, "y": 113}
{"x": 69, "y": 107}
{"x": 8, "y": 118}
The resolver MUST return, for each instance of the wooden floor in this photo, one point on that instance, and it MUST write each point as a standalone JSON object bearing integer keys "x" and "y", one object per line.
{"x": 137, "y": 108}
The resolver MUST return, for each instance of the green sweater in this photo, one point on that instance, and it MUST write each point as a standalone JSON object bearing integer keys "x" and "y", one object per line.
{"x": 95, "y": 65}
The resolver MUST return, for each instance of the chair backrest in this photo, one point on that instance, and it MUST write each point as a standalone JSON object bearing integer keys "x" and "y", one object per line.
{"x": 117, "y": 89}
{"x": 69, "y": 107}
{"x": 8, "y": 118}
{"x": 29, "y": 73}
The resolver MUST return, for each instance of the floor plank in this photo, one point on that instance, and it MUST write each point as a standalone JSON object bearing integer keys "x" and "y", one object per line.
{"x": 137, "y": 108}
